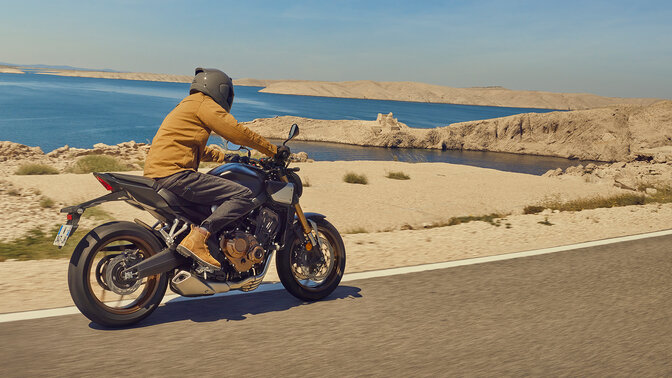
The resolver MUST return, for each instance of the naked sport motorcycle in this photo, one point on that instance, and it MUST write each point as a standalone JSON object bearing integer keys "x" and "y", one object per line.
{"x": 119, "y": 271}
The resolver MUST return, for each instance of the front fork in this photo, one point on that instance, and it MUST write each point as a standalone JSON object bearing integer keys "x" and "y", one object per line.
{"x": 307, "y": 230}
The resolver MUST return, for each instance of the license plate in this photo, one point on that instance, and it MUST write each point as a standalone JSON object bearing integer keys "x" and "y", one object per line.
{"x": 63, "y": 235}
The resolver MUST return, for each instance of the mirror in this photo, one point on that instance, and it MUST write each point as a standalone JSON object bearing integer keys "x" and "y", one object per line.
{"x": 293, "y": 131}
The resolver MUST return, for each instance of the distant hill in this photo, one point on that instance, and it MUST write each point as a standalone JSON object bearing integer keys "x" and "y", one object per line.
{"x": 50, "y": 67}
{"x": 421, "y": 92}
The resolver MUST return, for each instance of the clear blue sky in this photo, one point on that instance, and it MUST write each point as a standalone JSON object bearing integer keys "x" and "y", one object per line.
{"x": 613, "y": 48}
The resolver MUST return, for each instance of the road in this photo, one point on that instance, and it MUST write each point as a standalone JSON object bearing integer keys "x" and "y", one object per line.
{"x": 600, "y": 311}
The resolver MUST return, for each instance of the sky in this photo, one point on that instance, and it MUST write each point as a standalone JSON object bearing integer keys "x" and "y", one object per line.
{"x": 610, "y": 48}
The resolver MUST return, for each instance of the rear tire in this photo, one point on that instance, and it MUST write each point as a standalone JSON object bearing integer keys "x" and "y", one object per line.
{"x": 88, "y": 275}
{"x": 293, "y": 278}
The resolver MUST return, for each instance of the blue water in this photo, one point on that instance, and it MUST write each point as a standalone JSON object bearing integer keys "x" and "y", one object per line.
{"x": 52, "y": 111}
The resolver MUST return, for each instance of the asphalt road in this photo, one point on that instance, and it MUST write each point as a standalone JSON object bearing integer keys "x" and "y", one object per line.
{"x": 602, "y": 311}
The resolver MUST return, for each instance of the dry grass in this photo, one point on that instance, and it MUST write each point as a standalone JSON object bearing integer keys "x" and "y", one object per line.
{"x": 663, "y": 195}
{"x": 97, "y": 213}
{"x": 354, "y": 178}
{"x": 38, "y": 244}
{"x": 356, "y": 230}
{"x": 98, "y": 163}
{"x": 493, "y": 218}
{"x": 36, "y": 169}
{"x": 398, "y": 176}
{"x": 47, "y": 203}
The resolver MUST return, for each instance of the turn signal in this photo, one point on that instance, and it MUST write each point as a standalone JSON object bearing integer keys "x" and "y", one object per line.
{"x": 309, "y": 246}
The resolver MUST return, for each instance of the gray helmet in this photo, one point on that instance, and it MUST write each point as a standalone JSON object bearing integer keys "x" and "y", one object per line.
{"x": 214, "y": 83}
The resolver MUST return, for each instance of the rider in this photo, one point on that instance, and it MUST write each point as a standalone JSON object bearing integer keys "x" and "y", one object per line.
{"x": 179, "y": 146}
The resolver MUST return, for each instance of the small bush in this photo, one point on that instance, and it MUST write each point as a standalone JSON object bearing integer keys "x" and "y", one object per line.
{"x": 533, "y": 209}
{"x": 47, "y": 203}
{"x": 36, "y": 169}
{"x": 398, "y": 176}
{"x": 357, "y": 230}
{"x": 493, "y": 218}
{"x": 96, "y": 213}
{"x": 98, "y": 163}
{"x": 353, "y": 178}
{"x": 306, "y": 182}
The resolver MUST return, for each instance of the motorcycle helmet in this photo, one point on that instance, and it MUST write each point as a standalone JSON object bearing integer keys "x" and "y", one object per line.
{"x": 214, "y": 83}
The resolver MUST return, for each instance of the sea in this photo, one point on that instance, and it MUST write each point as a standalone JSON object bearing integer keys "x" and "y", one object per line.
{"x": 51, "y": 111}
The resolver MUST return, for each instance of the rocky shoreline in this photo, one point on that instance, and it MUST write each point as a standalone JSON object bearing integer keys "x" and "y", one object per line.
{"x": 616, "y": 133}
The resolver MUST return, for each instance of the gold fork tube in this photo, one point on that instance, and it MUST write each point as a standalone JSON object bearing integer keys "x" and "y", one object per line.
{"x": 299, "y": 213}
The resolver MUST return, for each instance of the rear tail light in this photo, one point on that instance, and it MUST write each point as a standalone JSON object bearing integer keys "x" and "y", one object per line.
{"x": 104, "y": 183}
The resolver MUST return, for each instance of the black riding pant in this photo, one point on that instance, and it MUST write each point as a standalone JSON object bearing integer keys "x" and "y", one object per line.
{"x": 234, "y": 200}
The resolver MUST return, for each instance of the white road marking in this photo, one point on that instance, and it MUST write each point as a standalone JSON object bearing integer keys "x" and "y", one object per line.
{"x": 174, "y": 298}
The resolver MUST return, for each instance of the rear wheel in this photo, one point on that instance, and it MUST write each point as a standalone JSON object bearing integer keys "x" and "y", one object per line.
{"x": 95, "y": 276}
{"x": 313, "y": 275}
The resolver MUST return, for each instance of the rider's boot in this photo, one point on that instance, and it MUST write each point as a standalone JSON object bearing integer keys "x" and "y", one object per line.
{"x": 194, "y": 245}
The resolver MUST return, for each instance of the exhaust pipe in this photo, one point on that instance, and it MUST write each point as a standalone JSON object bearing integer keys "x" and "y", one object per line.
{"x": 189, "y": 285}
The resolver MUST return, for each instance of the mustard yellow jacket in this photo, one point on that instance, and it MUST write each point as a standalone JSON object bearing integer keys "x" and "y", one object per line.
{"x": 180, "y": 143}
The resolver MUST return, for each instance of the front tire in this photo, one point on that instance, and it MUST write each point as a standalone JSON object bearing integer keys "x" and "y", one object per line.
{"x": 95, "y": 280}
{"x": 309, "y": 277}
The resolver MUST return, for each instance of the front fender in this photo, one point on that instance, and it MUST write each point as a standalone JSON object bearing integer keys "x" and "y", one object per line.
{"x": 314, "y": 216}
{"x": 296, "y": 231}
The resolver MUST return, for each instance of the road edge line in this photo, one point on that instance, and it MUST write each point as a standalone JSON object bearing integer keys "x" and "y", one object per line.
{"x": 174, "y": 298}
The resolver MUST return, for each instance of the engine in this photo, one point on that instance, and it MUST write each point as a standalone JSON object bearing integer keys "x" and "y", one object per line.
{"x": 243, "y": 250}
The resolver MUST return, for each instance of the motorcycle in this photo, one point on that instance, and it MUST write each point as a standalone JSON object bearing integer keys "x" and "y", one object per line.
{"x": 119, "y": 271}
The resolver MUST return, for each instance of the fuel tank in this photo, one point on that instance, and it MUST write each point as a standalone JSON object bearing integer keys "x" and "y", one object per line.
{"x": 242, "y": 174}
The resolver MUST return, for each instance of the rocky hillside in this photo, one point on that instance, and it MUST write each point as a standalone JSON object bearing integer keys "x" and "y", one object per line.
{"x": 421, "y": 92}
{"x": 614, "y": 133}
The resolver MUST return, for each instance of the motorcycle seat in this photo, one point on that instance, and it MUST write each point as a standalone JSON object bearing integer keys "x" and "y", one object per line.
{"x": 135, "y": 179}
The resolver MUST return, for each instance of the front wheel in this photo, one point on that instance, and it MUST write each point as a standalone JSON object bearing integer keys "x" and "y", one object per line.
{"x": 96, "y": 280}
{"x": 313, "y": 275}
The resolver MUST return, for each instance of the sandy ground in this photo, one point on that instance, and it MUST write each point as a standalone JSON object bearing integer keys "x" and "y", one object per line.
{"x": 435, "y": 192}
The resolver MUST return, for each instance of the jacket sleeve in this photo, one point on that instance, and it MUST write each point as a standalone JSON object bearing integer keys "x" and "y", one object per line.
{"x": 212, "y": 154}
{"x": 225, "y": 125}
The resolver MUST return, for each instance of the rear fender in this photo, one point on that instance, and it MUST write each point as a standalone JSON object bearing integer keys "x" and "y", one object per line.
{"x": 75, "y": 212}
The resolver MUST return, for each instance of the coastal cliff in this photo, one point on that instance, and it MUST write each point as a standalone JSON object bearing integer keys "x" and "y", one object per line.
{"x": 609, "y": 134}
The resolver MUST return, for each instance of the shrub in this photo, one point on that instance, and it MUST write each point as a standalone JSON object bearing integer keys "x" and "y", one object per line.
{"x": 306, "y": 182}
{"x": 353, "y": 178}
{"x": 47, "y": 203}
{"x": 357, "y": 230}
{"x": 96, "y": 213}
{"x": 36, "y": 169}
{"x": 533, "y": 209}
{"x": 98, "y": 163}
{"x": 398, "y": 176}
{"x": 493, "y": 218}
